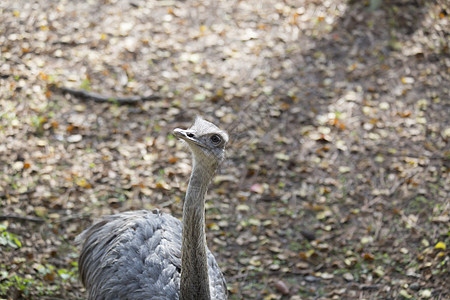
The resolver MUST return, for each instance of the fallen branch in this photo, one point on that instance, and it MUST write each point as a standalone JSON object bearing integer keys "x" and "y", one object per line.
{"x": 42, "y": 220}
{"x": 83, "y": 94}
{"x": 4, "y": 194}
{"x": 22, "y": 218}
{"x": 73, "y": 217}
{"x": 366, "y": 287}
{"x": 271, "y": 273}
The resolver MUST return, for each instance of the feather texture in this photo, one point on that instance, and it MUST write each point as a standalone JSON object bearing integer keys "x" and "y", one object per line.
{"x": 137, "y": 255}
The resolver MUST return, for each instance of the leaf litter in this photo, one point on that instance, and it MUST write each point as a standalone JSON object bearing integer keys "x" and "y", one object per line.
{"x": 336, "y": 183}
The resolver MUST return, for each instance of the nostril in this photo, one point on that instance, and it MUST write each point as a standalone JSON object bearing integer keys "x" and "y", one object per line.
{"x": 191, "y": 135}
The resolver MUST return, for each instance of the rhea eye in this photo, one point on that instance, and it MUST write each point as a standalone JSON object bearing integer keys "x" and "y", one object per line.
{"x": 215, "y": 139}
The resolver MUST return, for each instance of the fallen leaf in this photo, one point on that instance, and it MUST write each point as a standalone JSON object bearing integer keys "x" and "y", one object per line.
{"x": 368, "y": 256}
{"x": 440, "y": 245}
{"x": 74, "y": 138}
{"x": 405, "y": 294}
{"x": 425, "y": 294}
{"x": 173, "y": 159}
{"x": 281, "y": 156}
{"x": 162, "y": 185}
{"x": 344, "y": 169}
{"x": 348, "y": 276}
{"x": 40, "y": 211}
{"x": 199, "y": 97}
{"x": 407, "y": 80}
{"x": 366, "y": 240}
{"x": 257, "y": 188}
{"x": 242, "y": 207}
{"x": 326, "y": 275}
{"x": 81, "y": 182}
{"x": 379, "y": 271}
{"x": 282, "y": 287}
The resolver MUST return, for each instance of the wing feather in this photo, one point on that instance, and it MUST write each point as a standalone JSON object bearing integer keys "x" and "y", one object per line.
{"x": 137, "y": 255}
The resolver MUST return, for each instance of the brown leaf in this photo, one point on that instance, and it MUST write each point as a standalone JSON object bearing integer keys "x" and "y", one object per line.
{"x": 162, "y": 185}
{"x": 282, "y": 287}
{"x": 257, "y": 188}
{"x": 70, "y": 127}
{"x": 173, "y": 159}
{"x": 368, "y": 256}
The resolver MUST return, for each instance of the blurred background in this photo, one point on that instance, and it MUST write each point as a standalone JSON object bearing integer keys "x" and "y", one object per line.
{"x": 336, "y": 183}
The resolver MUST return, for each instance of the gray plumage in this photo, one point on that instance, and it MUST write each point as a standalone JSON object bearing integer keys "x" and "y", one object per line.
{"x": 138, "y": 254}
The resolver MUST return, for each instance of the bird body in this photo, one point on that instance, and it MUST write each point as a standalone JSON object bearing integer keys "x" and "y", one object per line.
{"x": 152, "y": 255}
{"x": 139, "y": 259}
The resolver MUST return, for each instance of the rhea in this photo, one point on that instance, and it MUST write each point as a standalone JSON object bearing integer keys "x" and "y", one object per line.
{"x": 153, "y": 255}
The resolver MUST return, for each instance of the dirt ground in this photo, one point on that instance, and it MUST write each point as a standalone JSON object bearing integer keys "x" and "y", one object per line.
{"x": 336, "y": 183}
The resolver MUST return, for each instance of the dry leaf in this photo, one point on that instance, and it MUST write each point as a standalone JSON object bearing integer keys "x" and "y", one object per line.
{"x": 257, "y": 188}
{"x": 282, "y": 287}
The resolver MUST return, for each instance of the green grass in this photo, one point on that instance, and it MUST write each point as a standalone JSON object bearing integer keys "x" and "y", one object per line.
{"x": 7, "y": 239}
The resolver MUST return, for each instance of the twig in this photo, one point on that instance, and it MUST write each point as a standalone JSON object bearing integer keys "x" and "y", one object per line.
{"x": 433, "y": 156}
{"x": 22, "y": 218}
{"x": 41, "y": 220}
{"x": 30, "y": 191}
{"x": 365, "y": 287}
{"x": 73, "y": 217}
{"x": 399, "y": 184}
{"x": 270, "y": 273}
{"x": 111, "y": 99}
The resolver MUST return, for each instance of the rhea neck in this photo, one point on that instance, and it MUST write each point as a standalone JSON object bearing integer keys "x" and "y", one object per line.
{"x": 194, "y": 283}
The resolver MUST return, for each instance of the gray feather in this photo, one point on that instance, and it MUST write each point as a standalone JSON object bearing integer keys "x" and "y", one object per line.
{"x": 137, "y": 255}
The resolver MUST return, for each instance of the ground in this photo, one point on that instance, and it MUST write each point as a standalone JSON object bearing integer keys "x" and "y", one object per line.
{"x": 336, "y": 182}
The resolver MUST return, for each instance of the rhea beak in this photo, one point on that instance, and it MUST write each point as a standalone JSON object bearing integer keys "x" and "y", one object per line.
{"x": 181, "y": 133}
{"x": 188, "y": 136}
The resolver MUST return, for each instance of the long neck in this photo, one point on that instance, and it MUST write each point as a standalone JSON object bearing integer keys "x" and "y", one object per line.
{"x": 194, "y": 264}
